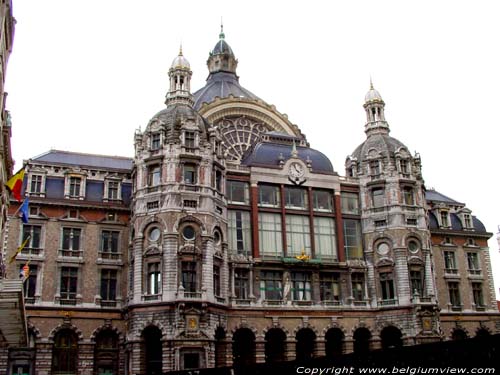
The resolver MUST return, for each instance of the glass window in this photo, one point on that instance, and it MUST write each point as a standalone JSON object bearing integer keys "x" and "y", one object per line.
{"x": 241, "y": 283}
{"x": 322, "y": 200}
{"x": 71, "y": 241}
{"x": 239, "y": 232}
{"x": 269, "y": 196}
{"x": 378, "y": 197}
{"x": 155, "y": 141}
{"x": 454, "y": 293}
{"x": 350, "y": 203}
{"x": 296, "y": 198}
{"x": 358, "y": 286}
{"x": 69, "y": 283}
{"x": 271, "y": 285}
{"x": 189, "y": 233}
{"x": 298, "y": 235}
{"x": 237, "y": 192}
{"x": 217, "y": 280}
{"x": 352, "y": 239}
{"x": 190, "y": 139}
{"x": 154, "y": 175}
{"x": 416, "y": 281}
{"x": 408, "y": 196}
{"x": 404, "y": 167}
{"x": 450, "y": 263}
{"x": 189, "y": 281}
{"x": 375, "y": 168}
{"x": 329, "y": 287}
{"x": 477, "y": 293}
{"x": 467, "y": 221}
{"x": 190, "y": 174}
{"x": 324, "y": 238}
{"x": 74, "y": 186}
{"x": 386, "y": 285}
{"x": 34, "y": 232}
{"x": 29, "y": 284}
{"x": 301, "y": 286}
{"x": 270, "y": 240}
{"x": 36, "y": 184}
{"x": 65, "y": 353}
{"x": 473, "y": 263}
{"x": 113, "y": 189}
{"x": 154, "y": 278}
{"x": 109, "y": 241}
{"x": 108, "y": 285}
{"x": 445, "y": 221}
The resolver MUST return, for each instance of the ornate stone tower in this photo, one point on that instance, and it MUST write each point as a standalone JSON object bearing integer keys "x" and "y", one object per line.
{"x": 178, "y": 266}
{"x": 394, "y": 221}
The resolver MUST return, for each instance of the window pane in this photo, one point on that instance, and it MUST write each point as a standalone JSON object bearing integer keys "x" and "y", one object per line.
{"x": 296, "y": 198}
{"x": 378, "y": 197}
{"x": 271, "y": 285}
{"x": 270, "y": 239}
{"x": 239, "y": 232}
{"x": 350, "y": 203}
{"x": 237, "y": 192}
{"x": 322, "y": 200}
{"x": 298, "y": 235}
{"x": 352, "y": 238}
{"x": 324, "y": 237}
{"x": 269, "y": 196}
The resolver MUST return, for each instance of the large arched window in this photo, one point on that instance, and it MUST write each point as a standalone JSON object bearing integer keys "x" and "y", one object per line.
{"x": 334, "y": 345}
{"x": 65, "y": 352}
{"x": 243, "y": 347}
{"x": 391, "y": 338}
{"x": 304, "y": 347}
{"x": 275, "y": 345}
{"x": 362, "y": 341}
{"x": 153, "y": 350}
{"x": 106, "y": 353}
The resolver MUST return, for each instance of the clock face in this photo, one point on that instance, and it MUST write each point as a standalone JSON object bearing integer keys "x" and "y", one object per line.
{"x": 296, "y": 170}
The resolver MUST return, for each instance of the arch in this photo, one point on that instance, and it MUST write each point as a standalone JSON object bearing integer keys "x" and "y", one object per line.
{"x": 65, "y": 351}
{"x": 64, "y": 326}
{"x": 275, "y": 345}
{"x": 334, "y": 342}
{"x": 243, "y": 347}
{"x": 361, "y": 337}
{"x": 305, "y": 344}
{"x": 220, "y": 347}
{"x": 482, "y": 332}
{"x": 391, "y": 337}
{"x": 153, "y": 350}
{"x": 192, "y": 219}
{"x": 149, "y": 221}
{"x": 106, "y": 327}
{"x": 458, "y": 334}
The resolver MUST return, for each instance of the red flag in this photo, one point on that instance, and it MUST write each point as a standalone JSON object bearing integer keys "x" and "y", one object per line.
{"x": 15, "y": 184}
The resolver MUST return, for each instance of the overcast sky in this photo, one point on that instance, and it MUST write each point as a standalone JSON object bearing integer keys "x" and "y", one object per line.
{"x": 84, "y": 75}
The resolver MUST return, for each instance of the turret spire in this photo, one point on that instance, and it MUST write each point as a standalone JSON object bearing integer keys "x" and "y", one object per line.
{"x": 222, "y": 58}
{"x": 180, "y": 81}
{"x": 375, "y": 117}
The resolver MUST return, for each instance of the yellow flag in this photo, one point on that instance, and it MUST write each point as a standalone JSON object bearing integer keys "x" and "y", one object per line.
{"x": 19, "y": 249}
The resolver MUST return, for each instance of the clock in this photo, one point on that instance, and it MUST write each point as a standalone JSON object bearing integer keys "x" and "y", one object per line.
{"x": 296, "y": 170}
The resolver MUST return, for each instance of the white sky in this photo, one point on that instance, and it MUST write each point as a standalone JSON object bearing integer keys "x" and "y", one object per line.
{"x": 85, "y": 74}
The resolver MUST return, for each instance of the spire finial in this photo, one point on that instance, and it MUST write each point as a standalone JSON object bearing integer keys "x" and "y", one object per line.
{"x": 180, "y": 49}
{"x": 221, "y": 35}
{"x": 371, "y": 83}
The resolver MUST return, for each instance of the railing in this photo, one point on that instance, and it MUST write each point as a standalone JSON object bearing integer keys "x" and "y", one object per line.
{"x": 70, "y": 253}
{"x": 67, "y": 302}
{"x": 388, "y": 302}
{"x": 31, "y": 251}
{"x": 108, "y": 303}
{"x": 475, "y": 272}
{"x": 192, "y": 294}
{"x": 220, "y": 299}
{"x": 245, "y": 302}
{"x": 110, "y": 255}
{"x": 152, "y": 297}
{"x": 453, "y": 271}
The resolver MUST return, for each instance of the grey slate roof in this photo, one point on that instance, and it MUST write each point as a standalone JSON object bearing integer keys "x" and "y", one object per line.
{"x": 268, "y": 154}
{"x": 222, "y": 47}
{"x": 435, "y": 196}
{"x": 85, "y": 160}
{"x": 380, "y": 142}
{"x": 456, "y": 223}
{"x": 221, "y": 84}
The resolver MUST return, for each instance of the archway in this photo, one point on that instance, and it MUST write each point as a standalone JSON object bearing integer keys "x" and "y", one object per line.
{"x": 65, "y": 352}
{"x": 153, "y": 350}
{"x": 275, "y": 345}
{"x": 391, "y": 338}
{"x": 458, "y": 334}
{"x": 334, "y": 345}
{"x": 362, "y": 341}
{"x": 106, "y": 353}
{"x": 304, "y": 348}
{"x": 243, "y": 347}
{"x": 220, "y": 347}
{"x": 482, "y": 333}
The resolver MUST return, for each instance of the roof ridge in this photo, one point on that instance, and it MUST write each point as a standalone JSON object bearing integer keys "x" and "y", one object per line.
{"x": 51, "y": 151}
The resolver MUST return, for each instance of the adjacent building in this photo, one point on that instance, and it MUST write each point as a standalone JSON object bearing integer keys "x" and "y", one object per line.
{"x": 228, "y": 240}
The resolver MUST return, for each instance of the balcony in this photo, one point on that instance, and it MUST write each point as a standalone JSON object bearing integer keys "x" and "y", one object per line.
{"x": 388, "y": 302}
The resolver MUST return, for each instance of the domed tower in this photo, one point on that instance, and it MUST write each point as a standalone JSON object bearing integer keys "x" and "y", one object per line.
{"x": 396, "y": 237}
{"x": 178, "y": 265}
{"x": 240, "y": 116}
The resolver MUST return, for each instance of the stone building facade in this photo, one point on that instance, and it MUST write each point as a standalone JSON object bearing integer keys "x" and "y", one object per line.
{"x": 229, "y": 240}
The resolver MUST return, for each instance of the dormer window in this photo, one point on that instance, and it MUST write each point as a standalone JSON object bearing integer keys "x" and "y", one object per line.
{"x": 190, "y": 139}
{"x": 445, "y": 219}
{"x": 375, "y": 168}
{"x": 37, "y": 184}
{"x": 112, "y": 191}
{"x": 75, "y": 187}
{"x": 155, "y": 141}
{"x": 467, "y": 221}
{"x": 404, "y": 167}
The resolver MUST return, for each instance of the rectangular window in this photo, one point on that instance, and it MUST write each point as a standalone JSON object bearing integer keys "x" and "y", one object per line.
{"x": 69, "y": 283}
{"x": 358, "y": 286}
{"x": 237, "y": 192}
{"x": 416, "y": 282}
{"x": 378, "y": 199}
{"x": 298, "y": 235}
{"x": 108, "y": 285}
{"x": 239, "y": 232}
{"x": 477, "y": 294}
{"x": 190, "y": 174}
{"x": 445, "y": 221}
{"x": 75, "y": 186}
{"x": 216, "y": 280}
{"x": 324, "y": 238}
{"x": 404, "y": 167}
{"x": 269, "y": 196}
{"x": 29, "y": 285}
{"x": 352, "y": 238}
{"x": 271, "y": 285}
{"x": 154, "y": 175}
{"x": 301, "y": 286}
{"x": 473, "y": 263}
{"x": 154, "y": 278}
{"x": 34, "y": 232}
{"x": 454, "y": 293}
{"x": 296, "y": 198}
{"x": 155, "y": 141}
{"x": 386, "y": 286}
{"x": 467, "y": 221}
{"x": 270, "y": 240}
{"x": 109, "y": 241}
{"x": 241, "y": 283}
{"x": 350, "y": 203}
{"x": 71, "y": 241}
{"x": 408, "y": 196}
{"x": 375, "y": 168}
{"x": 113, "y": 190}
{"x": 189, "y": 277}
{"x": 450, "y": 263}
{"x": 190, "y": 139}
{"x": 36, "y": 184}
{"x": 329, "y": 287}
{"x": 322, "y": 200}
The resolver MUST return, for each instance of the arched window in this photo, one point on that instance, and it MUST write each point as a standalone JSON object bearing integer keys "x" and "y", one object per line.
{"x": 275, "y": 345}
{"x": 334, "y": 345}
{"x": 243, "y": 347}
{"x": 153, "y": 350}
{"x": 304, "y": 348}
{"x": 65, "y": 353}
{"x": 106, "y": 353}
{"x": 362, "y": 341}
{"x": 391, "y": 338}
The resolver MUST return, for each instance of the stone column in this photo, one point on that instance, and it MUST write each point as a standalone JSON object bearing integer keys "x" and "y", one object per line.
{"x": 207, "y": 276}
{"x": 85, "y": 359}
{"x": 260, "y": 353}
{"x": 290, "y": 346}
{"x": 429, "y": 277}
{"x": 339, "y": 224}
{"x": 170, "y": 266}
{"x": 402, "y": 277}
{"x": 371, "y": 283}
{"x": 137, "y": 289}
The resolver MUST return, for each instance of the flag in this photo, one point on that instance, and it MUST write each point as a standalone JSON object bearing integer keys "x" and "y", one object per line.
{"x": 25, "y": 272}
{"x": 15, "y": 184}
{"x": 19, "y": 249}
{"x": 24, "y": 209}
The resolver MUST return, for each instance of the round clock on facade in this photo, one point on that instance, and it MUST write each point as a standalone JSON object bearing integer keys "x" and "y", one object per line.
{"x": 296, "y": 170}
